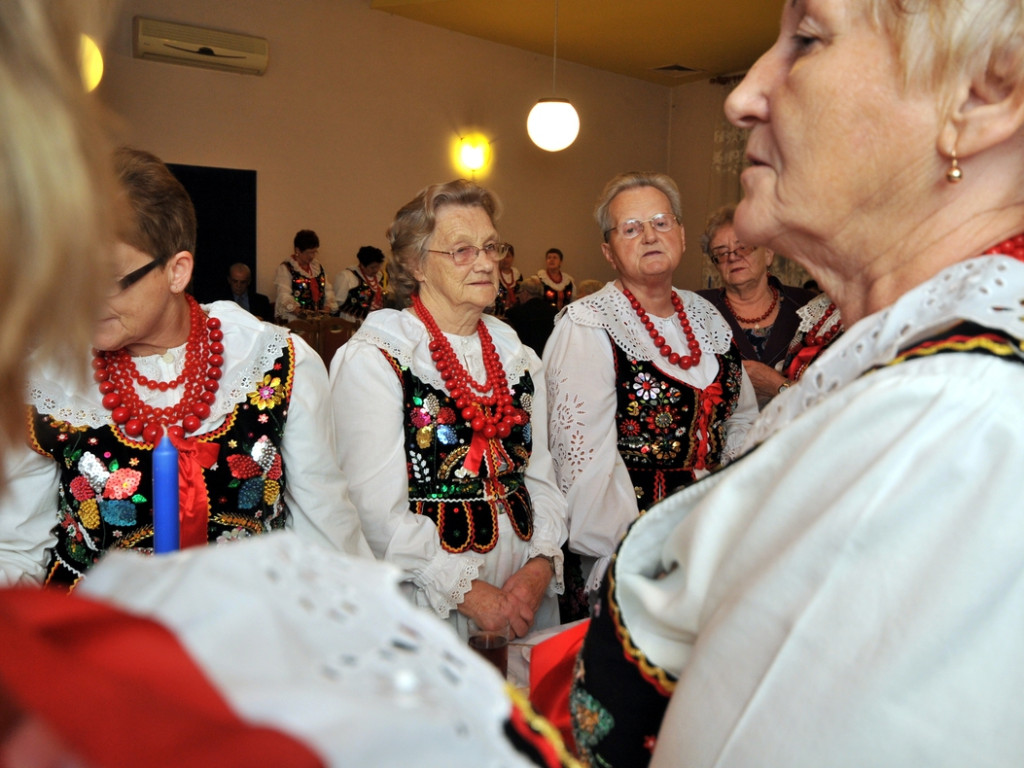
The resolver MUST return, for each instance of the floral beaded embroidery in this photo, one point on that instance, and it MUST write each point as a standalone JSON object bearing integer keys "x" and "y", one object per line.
{"x": 667, "y": 429}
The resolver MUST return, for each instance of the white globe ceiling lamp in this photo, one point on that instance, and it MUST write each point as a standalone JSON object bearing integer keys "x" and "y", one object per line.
{"x": 553, "y": 124}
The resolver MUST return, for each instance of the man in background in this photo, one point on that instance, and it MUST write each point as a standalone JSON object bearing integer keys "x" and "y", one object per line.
{"x": 244, "y": 295}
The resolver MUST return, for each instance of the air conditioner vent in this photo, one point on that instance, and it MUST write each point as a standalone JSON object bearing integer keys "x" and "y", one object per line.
{"x": 199, "y": 47}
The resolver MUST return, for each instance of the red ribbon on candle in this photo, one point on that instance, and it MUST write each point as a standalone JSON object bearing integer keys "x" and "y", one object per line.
{"x": 194, "y": 498}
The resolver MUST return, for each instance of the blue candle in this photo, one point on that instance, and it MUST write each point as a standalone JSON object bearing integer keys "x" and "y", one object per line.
{"x": 165, "y": 497}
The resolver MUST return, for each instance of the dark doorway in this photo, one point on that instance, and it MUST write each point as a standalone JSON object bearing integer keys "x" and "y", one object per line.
{"x": 225, "y": 202}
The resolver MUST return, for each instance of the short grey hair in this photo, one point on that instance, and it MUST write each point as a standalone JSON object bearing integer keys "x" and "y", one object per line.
{"x": 634, "y": 180}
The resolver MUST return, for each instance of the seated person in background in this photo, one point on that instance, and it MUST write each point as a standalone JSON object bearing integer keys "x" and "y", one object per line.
{"x": 533, "y": 318}
{"x": 439, "y": 415}
{"x": 241, "y": 291}
{"x": 302, "y": 285}
{"x": 358, "y": 289}
{"x": 760, "y": 310}
{"x": 646, "y": 391}
{"x": 243, "y": 402}
{"x": 849, "y": 593}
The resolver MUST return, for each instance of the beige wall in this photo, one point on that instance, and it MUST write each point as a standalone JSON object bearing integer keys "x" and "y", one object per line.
{"x": 358, "y": 110}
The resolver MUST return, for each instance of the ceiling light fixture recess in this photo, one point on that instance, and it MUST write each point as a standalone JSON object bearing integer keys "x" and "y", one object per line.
{"x": 553, "y": 123}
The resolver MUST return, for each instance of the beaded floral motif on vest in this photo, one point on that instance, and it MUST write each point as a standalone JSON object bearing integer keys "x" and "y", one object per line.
{"x": 105, "y": 493}
{"x": 618, "y": 697}
{"x": 464, "y": 507}
{"x": 666, "y": 428}
{"x": 302, "y": 290}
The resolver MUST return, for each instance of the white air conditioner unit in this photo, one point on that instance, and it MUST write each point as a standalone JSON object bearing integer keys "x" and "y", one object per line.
{"x": 199, "y": 47}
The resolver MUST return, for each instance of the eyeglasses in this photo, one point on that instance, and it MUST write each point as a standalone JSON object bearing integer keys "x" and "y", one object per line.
{"x": 134, "y": 276}
{"x": 722, "y": 253}
{"x": 467, "y": 254}
{"x": 630, "y": 228}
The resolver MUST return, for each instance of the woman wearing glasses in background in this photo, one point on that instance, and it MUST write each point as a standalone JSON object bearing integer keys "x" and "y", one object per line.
{"x": 440, "y": 421}
{"x": 646, "y": 391}
{"x": 761, "y": 310}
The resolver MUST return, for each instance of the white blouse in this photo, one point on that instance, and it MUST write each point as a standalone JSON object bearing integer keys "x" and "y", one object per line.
{"x": 316, "y": 492}
{"x": 369, "y": 430}
{"x": 582, "y": 403}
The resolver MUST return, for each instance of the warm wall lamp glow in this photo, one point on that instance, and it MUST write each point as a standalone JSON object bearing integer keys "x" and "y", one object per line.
{"x": 472, "y": 153}
{"x": 90, "y": 62}
{"x": 553, "y": 123}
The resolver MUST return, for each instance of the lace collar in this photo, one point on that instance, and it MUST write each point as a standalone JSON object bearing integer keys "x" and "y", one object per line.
{"x": 988, "y": 290}
{"x": 65, "y": 391}
{"x": 811, "y": 312}
{"x": 401, "y": 334}
{"x": 546, "y": 279}
{"x": 609, "y": 310}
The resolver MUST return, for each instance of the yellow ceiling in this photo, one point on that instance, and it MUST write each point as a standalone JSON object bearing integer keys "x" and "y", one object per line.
{"x": 629, "y": 37}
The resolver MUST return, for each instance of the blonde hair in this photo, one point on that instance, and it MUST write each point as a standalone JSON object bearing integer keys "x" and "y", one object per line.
{"x": 55, "y": 192}
{"x": 939, "y": 41}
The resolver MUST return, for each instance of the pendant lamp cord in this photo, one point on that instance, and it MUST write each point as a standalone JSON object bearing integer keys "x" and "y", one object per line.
{"x": 554, "y": 54}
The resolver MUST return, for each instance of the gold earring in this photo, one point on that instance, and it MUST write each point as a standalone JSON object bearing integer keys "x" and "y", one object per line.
{"x": 954, "y": 174}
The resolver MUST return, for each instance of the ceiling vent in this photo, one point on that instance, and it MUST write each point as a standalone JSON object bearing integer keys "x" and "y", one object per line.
{"x": 678, "y": 70}
{"x": 199, "y": 47}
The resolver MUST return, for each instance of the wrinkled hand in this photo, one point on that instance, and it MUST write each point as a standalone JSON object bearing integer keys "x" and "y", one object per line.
{"x": 528, "y": 585}
{"x": 766, "y": 380}
{"x": 491, "y": 607}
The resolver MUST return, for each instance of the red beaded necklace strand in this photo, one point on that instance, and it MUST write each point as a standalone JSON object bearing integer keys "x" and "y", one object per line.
{"x": 1014, "y": 247}
{"x": 659, "y": 341}
{"x": 118, "y": 376}
{"x": 813, "y": 339}
{"x": 489, "y": 415}
{"x": 756, "y": 320}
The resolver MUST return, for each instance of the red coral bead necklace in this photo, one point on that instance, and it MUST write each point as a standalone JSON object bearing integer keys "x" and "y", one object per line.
{"x": 117, "y": 377}
{"x": 488, "y": 414}
{"x": 683, "y": 361}
{"x": 755, "y": 321}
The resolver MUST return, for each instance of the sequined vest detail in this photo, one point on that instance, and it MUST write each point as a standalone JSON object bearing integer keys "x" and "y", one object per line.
{"x": 667, "y": 429}
{"x": 463, "y": 506}
{"x": 302, "y": 290}
{"x": 359, "y": 300}
{"x": 105, "y": 495}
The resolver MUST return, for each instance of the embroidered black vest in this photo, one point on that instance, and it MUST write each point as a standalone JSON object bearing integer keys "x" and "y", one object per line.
{"x": 964, "y": 337}
{"x": 666, "y": 429}
{"x": 302, "y": 291}
{"x": 558, "y": 298}
{"x": 359, "y": 299}
{"x": 106, "y": 484}
{"x": 464, "y": 506}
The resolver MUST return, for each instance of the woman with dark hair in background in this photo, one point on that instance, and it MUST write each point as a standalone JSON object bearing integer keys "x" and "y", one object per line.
{"x": 359, "y": 289}
{"x": 302, "y": 286}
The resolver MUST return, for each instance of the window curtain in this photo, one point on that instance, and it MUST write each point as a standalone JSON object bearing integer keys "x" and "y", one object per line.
{"x": 727, "y": 163}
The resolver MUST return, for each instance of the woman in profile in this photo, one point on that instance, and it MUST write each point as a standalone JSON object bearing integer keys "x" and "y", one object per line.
{"x": 850, "y": 592}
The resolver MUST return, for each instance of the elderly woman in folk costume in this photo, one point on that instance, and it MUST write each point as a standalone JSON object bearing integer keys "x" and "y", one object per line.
{"x": 439, "y": 416}
{"x": 850, "y": 592}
